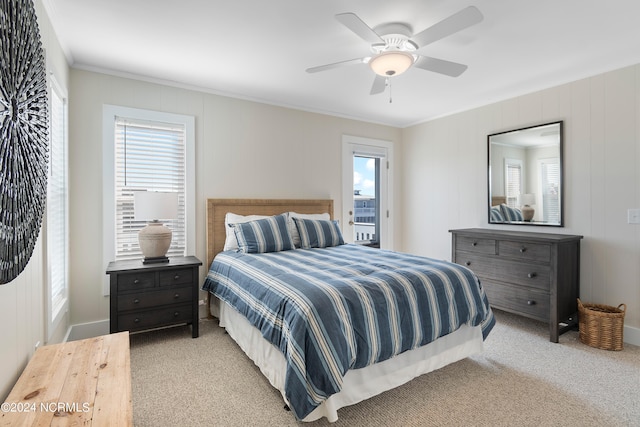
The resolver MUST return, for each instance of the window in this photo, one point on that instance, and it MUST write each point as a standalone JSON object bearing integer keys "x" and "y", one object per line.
{"x": 57, "y": 230}
{"x": 147, "y": 151}
{"x": 366, "y": 190}
{"x": 513, "y": 182}
{"x": 550, "y": 185}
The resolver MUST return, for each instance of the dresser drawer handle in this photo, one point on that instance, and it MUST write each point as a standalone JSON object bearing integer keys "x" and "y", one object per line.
{"x": 523, "y": 249}
{"x": 531, "y": 275}
{"x": 176, "y": 277}
{"x": 136, "y": 320}
{"x": 468, "y": 263}
{"x": 136, "y": 281}
{"x": 176, "y": 314}
{"x": 531, "y": 302}
{"x": 176, "y": 295}
{"x": 474, "y": 244}
{"x": 136, "y": 301}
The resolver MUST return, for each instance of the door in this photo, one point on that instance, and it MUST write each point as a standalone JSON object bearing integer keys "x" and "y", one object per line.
{"x": 366, "y": 175}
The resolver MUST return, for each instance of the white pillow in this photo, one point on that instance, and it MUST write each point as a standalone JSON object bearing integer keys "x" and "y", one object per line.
{"x": 230, "y": 242}
{"x": 293, "y": 230}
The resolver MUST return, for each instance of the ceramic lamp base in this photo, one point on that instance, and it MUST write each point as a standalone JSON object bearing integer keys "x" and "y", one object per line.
{"x": 155, "y": 240}
{"x": 527, "y": 212}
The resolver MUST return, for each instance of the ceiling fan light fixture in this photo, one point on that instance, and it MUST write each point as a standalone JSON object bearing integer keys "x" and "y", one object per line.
{"x": 389, "y": 64}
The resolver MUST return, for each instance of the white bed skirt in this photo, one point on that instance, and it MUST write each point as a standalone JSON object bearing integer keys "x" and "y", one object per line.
{"x": 359, "y": 384}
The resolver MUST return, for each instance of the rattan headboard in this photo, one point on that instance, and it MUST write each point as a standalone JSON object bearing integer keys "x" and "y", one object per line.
{"x": 218, "y": 208}
{"x": 498, "y": 200}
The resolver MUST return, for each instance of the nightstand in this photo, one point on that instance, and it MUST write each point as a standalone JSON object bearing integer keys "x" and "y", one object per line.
{"x": 147, "y": 296}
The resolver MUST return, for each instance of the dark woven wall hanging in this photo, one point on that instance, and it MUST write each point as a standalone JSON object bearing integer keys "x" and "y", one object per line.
{"x": 23, "y": 135}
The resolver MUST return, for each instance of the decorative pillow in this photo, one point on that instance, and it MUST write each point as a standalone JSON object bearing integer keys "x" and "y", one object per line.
{"x": 496, "y": 214}
{"x": 317, "y": 233}
{"x": 292, "y": 226}
{"x": 511, "y": 214}
{"x": 231, "y": 243}
{"x": 264, "y": 235}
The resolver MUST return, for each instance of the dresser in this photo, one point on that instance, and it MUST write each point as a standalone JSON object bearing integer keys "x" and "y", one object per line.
{"x": 536, "y": 275}
{"x": 147, "y": 296}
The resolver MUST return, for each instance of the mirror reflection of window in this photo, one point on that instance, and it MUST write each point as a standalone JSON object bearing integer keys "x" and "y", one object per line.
{"x": 513, "y": 182}
{"x": 550, "y": 185}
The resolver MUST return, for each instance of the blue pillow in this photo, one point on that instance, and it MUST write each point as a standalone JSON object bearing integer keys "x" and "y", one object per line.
{"x": 496, "y": 214}
{"x": 511, "y": 214}
{"x": 318, "y": 233}
{"x": 263, "y": 235}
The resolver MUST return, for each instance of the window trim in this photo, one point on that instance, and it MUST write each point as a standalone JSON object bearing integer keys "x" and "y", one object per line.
{"x": 55, "y": 314}
{"x": 109, "y": 114}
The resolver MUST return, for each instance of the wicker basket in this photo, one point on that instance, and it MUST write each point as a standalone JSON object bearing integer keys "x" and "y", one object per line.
{"x": 601, "y": 326}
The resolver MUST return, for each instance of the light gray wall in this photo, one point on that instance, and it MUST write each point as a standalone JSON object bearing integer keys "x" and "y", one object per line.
{"x": 445, "y": 178}
{"x": 243, "y": 150}
{"x": 22, "y": 309}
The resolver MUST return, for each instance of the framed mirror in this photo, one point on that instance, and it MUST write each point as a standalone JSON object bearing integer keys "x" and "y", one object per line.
{"x": 525, "y": 176}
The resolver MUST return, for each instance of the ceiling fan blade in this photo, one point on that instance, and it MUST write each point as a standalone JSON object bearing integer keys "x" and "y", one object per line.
{"x": 458, "y": 21}
{"x": 357, "y": 25}
{"x": 441, "y": 66}
{"x": 379, "y": 84}
{"x": 336, "y": 65}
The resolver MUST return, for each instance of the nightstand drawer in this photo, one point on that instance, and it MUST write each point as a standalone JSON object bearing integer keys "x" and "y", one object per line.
{"x": 525, "y": 251}
{"x": 176, "y": 277}
{"x": 518, "y": 300}
{"x": 477, "y": 245}
{"x": 134, "y": 281}
{"x": 154, "y": 298}
{"x": 535, "y": 276}
{"x": 145, "y": 319}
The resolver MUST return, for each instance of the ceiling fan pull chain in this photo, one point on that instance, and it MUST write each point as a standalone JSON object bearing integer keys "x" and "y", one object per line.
{"x": 389, "y": 84}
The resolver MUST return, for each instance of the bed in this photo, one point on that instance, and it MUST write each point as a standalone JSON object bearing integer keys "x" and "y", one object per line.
{"x": 324, "y": 339}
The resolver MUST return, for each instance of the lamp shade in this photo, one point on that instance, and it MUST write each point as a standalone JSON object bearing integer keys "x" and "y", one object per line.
{"x": 528, "y": 199}
{"x": 389, "y": 64}
{"x": 155, "y": 205}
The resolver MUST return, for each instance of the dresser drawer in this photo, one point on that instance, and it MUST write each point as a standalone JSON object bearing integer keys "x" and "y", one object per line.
{"x": 476, "y": 245}
{"x": 176, "y": 277}
{"x": 525, "y": 251}
{"x": 136, "y": 280}
{"x": 516, "y": 299}
{"x": 145, "y": 319}
{"x": 532, "y": 275}
{"x": 154, "y": 298}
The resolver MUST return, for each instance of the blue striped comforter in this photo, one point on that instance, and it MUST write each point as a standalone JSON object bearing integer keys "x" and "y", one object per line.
{"x": 339, "y": 308}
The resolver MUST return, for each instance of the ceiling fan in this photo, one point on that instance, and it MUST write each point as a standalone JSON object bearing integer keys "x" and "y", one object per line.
{"x": 395, "y": 48}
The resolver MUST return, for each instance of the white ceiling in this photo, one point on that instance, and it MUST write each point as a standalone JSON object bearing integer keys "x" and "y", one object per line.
{"x": 259, "y": 50}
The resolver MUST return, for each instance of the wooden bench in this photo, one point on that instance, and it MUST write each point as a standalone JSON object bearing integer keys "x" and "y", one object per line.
{"x": 86, "y": 382}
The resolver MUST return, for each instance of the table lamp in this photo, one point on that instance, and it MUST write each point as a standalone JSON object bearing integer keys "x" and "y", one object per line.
{"x": 527, "y": 201}
{"x": 155, "y": 238}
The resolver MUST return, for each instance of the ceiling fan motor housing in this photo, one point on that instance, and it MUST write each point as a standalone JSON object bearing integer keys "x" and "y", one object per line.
{"x": 394, "y": 56}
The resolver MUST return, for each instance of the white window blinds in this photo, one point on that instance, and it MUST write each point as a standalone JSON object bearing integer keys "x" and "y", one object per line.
{"x": 57, "y": 209}
{"x": 513, "y": 182}
{"x": 149, "y": 156}
{"x": 550, "y": 176}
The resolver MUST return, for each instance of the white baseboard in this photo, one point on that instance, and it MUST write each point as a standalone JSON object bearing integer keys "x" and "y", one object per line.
{"x": 83, "y": 331}
{"x": 631, "y": 335}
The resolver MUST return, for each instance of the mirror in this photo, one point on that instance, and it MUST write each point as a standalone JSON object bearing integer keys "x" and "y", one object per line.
{"x": 525, "y": 176}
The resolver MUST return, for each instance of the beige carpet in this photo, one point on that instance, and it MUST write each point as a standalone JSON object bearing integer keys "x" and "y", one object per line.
{"x": 520, "y": 380}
